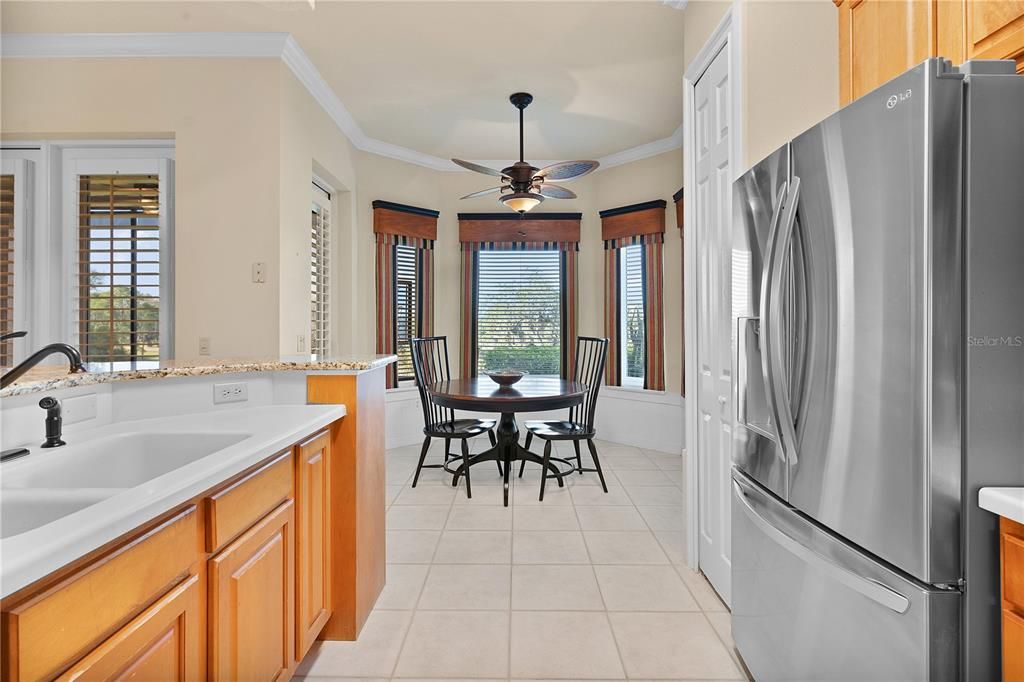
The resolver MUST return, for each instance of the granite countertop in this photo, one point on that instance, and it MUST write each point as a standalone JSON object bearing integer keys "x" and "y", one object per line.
{"x": 1008, "y": 502}
{"x": 53, "y": 377}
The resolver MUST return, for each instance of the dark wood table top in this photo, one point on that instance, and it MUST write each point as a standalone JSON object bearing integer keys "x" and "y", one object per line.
{"x": 530, "y": 394}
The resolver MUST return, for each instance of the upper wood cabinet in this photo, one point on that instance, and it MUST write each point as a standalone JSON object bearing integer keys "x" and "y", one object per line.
{"x": 880, "y": 39}
{"x": 313, "y": 540}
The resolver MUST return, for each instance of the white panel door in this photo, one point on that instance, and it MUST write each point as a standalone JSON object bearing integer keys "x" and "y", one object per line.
{"x": 714, "y": 330}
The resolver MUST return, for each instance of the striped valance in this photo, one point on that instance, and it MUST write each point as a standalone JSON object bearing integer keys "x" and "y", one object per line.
{"x": 654, "y": 238}
{"x": 520, "y": 246}
{"x": 402, "y": 240}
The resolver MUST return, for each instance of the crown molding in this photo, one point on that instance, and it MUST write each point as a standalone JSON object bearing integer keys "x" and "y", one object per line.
{"x": 265, "y": 45}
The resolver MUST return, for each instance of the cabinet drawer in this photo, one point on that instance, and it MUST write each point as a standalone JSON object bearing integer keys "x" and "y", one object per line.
{"x": 1013, "y": 564}
{"x": 164, "y": 642}
{"x": 1013, "y": 646}
{"x": 234, "y": 509}
{"x": 51, "y": 630}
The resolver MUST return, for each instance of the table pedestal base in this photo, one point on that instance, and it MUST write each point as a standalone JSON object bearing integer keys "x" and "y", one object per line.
{"x": 509, "y": 450}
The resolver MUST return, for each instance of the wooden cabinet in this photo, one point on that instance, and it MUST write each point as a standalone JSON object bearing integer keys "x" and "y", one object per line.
{"x": 880, "y": 39}
{"x": 252, "y": 602}
{"x": 313, "y": 540}
{"x": 1011, "y": 551}
{"x": 164, "y": 643}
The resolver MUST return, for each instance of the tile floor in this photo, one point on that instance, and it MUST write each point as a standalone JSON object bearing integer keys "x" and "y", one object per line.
{"x": 582, "y": 586}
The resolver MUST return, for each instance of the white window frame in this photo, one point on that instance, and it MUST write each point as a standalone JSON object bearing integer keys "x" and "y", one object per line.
{"x": 117, "y": 160}
{"x": 23, "y": 171}
{"x": 322, "y": 195}
{"x": 626, "y": 380}
{"x": 405, "y": 383}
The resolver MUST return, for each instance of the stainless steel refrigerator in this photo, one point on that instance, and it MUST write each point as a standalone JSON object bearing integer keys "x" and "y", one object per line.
{"x": 878, "y": 290}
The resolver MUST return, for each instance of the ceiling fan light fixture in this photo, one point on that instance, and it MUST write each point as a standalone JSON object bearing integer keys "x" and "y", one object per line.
{"x": 521, "y": 201}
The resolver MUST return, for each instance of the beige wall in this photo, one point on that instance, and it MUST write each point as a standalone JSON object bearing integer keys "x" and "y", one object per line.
{"x": 248, "y": 136}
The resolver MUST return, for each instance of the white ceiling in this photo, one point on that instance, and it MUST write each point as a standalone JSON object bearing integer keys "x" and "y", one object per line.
{"x": 435, "y": 76}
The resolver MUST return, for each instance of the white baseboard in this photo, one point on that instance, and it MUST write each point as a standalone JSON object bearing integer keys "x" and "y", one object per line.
{"x": 643, "y": 419}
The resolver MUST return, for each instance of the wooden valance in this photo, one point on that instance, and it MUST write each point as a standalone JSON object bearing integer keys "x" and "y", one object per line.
{"x": 632, "y": 220}
{"x": 506, "y": 227}
{"x": 678, "y": 199}
{"x": 405, "y": 221}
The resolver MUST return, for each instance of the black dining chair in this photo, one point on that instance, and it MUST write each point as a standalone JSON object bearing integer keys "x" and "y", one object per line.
{"x": 430, "y": 364}
{"x": 591, "y": 356}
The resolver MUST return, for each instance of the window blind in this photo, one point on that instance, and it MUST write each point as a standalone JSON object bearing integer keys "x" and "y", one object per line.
{"x": 320, "y": 274}
{"x": 119, "y": 270}
{"x": 519, "y": 311}
{"x": 632, "y": 311}
{"x": 406, "y": 328}
{"x": 6, "y": 266}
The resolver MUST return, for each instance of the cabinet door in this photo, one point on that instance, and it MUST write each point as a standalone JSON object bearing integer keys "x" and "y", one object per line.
{"x": 252, "y": 602}
{"x": 879, "y": 40}
{"x": 313, "y": 555}
{"x": 995, "y": 30}
{"x": 164, "y": 642}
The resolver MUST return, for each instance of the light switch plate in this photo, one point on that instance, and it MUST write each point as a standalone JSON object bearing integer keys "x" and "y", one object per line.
{"x": 259, "y": 273}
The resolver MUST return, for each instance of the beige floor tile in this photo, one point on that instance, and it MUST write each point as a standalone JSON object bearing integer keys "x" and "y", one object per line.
{"x": 392, "y": 493}
{"x": 402, "y": 589}
{"x": 411, "y": 546}
{"x": 631, "y": 462}
{"x": 544, "y": 518}
{"x": 663, "y": 518}
{"x": 480, "y": 517}
{"x": 655, "y": 495}
{"x": 483, "y": 496}
{"x": 417, "y": 517}
{"x": 466, "y": 587}
{"x": 644, "y": 588}
{"x": 549, "y": 547}
{"x": 610, "y": 518}
{"x": 677, "y": 476}
{"x": 555, "y": 588}
{"x": 671, "y": 645}
{"x": 666, "y": 461}
{"x": 453, "y": 644}
{"x": 373, "y": 655}
{"x": 643, "y": 477}
{"x": 564, "y": 645}
{"x": 474, "y": 547}
{"x": 701, "y": 590}
{"x": 597, "y": 497}
{"x": 624, "y": 547}
{"x": 674, "y": 544}
{"x": 527, "y": 494}
{"x": 426, "y": 493}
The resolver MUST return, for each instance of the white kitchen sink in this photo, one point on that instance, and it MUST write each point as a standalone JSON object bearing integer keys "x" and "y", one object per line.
{"x": 121, "y": 460}
{"x": 24, "y": 509}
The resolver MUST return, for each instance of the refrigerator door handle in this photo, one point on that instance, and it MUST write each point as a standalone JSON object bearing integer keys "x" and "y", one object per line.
{"x": 872, "y": 589}
{"x": 764, "y": 305}
{"x": 775, "y": 376}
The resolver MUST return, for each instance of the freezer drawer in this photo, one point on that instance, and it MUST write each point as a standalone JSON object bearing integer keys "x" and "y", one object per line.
{"x": 808, "y": 606}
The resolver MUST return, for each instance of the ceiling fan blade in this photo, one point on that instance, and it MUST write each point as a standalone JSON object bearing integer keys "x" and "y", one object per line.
{"x": 477, "y": 168}
{"x": 567, "y": 170}
{"x": 484, "y": 192}
{"x": 555, "y": 191}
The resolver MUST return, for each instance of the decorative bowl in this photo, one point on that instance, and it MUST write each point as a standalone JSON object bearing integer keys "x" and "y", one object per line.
{"x": 505, "y": 377}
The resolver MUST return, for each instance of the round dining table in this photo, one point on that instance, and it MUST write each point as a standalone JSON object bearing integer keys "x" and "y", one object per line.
{"x": 529, "y": 394}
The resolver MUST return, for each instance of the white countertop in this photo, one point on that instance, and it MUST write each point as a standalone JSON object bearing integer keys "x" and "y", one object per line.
{"x": 28, "y": 556}
{"x": 1008, "y": 502}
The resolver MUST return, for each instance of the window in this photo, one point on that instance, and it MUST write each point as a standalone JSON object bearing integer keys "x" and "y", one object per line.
{"x": 519, "y": 298}
{"x": 631, "y": 333}
{"x": 7, "y": 246}
{"x": 406, "y": 309}
{"x": 119, "y": 269}
{"x": 320, "y": 273}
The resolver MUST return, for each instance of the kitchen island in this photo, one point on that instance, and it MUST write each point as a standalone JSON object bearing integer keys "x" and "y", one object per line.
{"x": 192, "y": 498}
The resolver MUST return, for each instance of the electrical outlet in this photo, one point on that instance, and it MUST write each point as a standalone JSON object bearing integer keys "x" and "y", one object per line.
{"x": 230, "y": 393}
{"x": 259, "y": 273}
{"x": 300, "y": 343}
{"x": 204, "y": 345}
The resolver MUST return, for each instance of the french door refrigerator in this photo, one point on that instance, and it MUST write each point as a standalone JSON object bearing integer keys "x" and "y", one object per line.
{"x": 878, "y": 290}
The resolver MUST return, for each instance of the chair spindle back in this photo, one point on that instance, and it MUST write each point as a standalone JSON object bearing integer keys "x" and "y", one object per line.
{"x": 430, "y": 364}
{"x": 591, "y": 356}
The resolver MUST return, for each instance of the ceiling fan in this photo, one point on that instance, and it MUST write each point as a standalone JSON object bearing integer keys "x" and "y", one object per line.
{"x": 524, "y": 186}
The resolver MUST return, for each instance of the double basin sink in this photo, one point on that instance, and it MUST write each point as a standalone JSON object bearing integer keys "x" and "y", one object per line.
{"x": 49, "y": 484}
